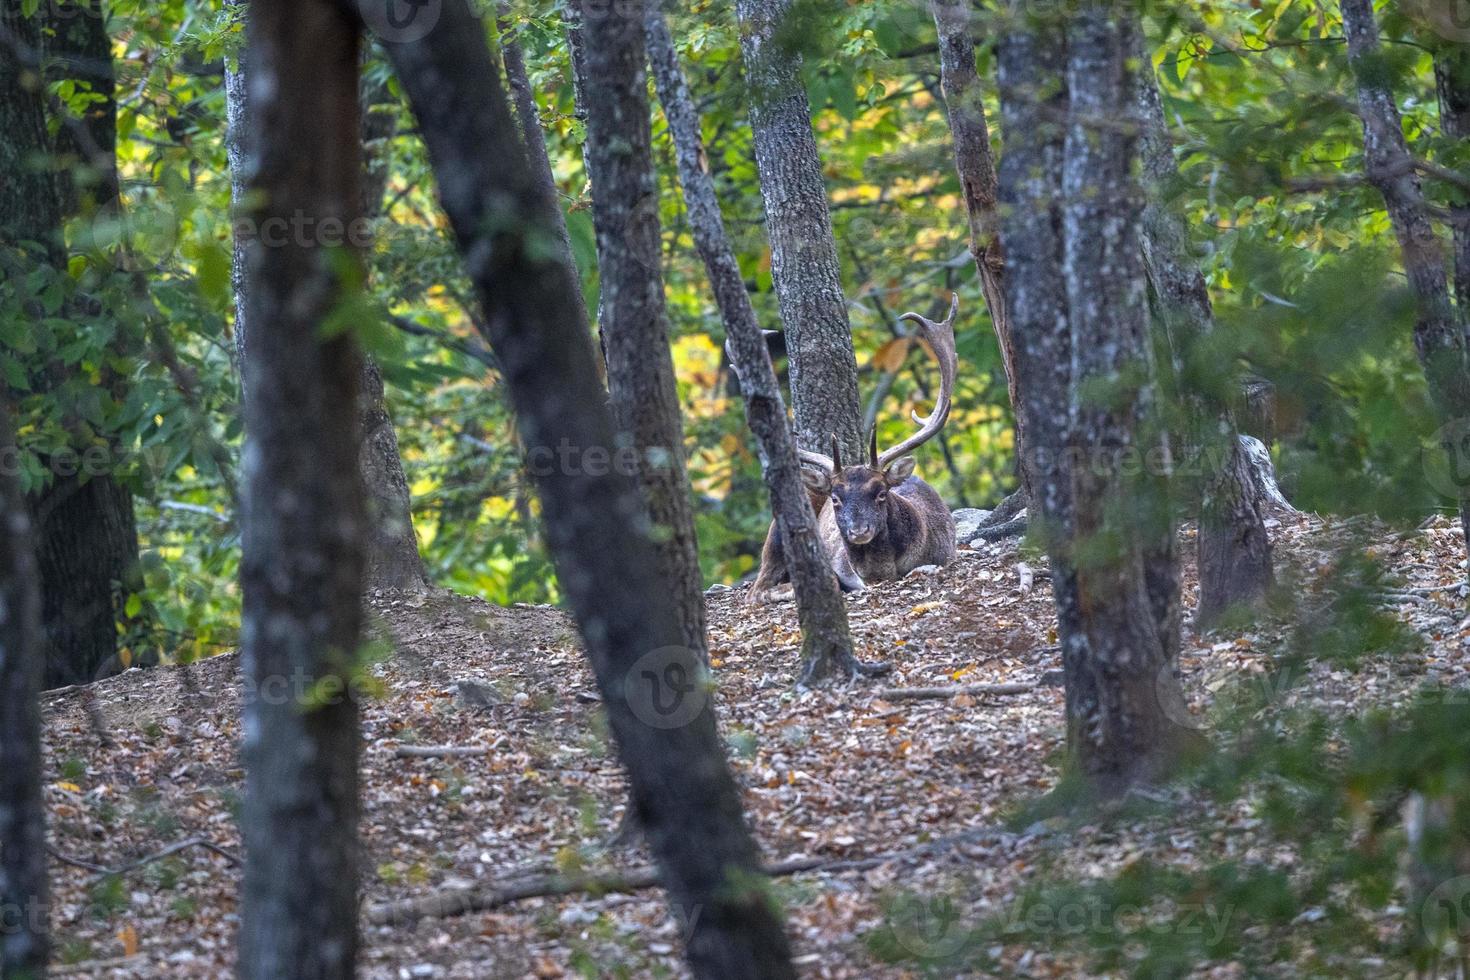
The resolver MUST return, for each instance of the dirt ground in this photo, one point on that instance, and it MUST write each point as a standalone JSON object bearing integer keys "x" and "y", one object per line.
{"x": 148, "y": 759}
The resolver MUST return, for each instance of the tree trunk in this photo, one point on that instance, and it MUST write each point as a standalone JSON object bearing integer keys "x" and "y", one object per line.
{"x": 78, "y": 49}
{"x": 804, "y": 266}
{"x": 23, "y": 890}
{"x": 1452, "y": 77}
{"x": 657, "y": 708}
{"x": 1127, "y": 583}
{"x": 640, "y": 366}
{"x": 393, "y": 560}
{"x": 303, "y": 529}
{"x": 237, "y": 149}
{"x": 1233, "y": 549}
{"x": 826, "y": 644}
{"x": 975, "y": 165}
{"x": 1031, "y": 62}
{"x": 1438, "y": 337}
{"x": 86, "y": 537}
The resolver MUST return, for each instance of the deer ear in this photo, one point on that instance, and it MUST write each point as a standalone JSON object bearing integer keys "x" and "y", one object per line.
{"x": 899, "y": 470}
{"x": 815, "y": 479}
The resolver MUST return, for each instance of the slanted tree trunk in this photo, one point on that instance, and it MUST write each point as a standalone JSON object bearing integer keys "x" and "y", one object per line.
{"x": 663, "y": 724}
{"x": 393, "y": 560}
{"x": 23, "y": 889}
{"x": 826, "y": 644}
{"x": 303, "y": 529}
{"x": 975, "y": 165}
{"x": 1127, "y": 575}
{"x": 86, "y": 536}
{"x": 804, "y": 266}
{"x": 1439, "y": 338}
{"x": 640, "y": 366}
{"x": 1233, "y": 549}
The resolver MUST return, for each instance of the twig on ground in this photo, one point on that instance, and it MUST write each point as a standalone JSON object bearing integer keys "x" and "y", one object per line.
{"x": 103, "y": 873}
{"x": 442, "y": 751}
{"x": 951, "y": 691}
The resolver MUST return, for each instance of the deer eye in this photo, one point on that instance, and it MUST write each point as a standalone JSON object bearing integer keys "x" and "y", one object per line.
{"x": 882, "y": 496}
{"x": 836, "y": 500}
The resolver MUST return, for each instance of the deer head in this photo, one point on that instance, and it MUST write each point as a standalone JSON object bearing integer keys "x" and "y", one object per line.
{"x": 861, "y": 494}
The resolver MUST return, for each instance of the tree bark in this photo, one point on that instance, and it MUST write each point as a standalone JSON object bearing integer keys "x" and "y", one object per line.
{"x": 684, "y": 797}
{"x": 1127, "y": 583}
{"x": 304, "y": 522}
{"x": 86, "y": 536}
{"x": 237, "y": 149}
{"x": 1031, "y": 64}
{"x": 23, "y": 888}
{"x": 804, "y": 266}
{"x": 1452, "y": 78}
{"x": 1233, "y": 549}
{"x": 1439, "y": 338}
{"x": 826, "y": 643}
{"x": 975, "y": 165}
{"x": 393, "y": 560}
{"x": 78, "y": 49}
{"x": 640, "y": 366}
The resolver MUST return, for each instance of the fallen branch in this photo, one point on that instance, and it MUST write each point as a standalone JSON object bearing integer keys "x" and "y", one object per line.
{"x": 91, "y": 966}
{"x": 441, "y": 751}
{"x": 951, "y": 691}
{"x": 463, "y": 901}
{"x": 103, "y": 873}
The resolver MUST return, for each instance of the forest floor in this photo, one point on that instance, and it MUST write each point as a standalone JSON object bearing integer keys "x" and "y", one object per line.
{"x": 150, "y": 758}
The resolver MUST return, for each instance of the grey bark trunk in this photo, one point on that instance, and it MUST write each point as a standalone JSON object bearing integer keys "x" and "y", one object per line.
{"x": 804, "y": 266}
{"x": 1439, "y": 337}
{"x": 393, "y": 559}
{"x": 826, "y": 644}
{"x": 1233, "y": 549}
{"x": 640, "y": 365}
{"x": 304, "y": 522}
{"x": 23, "y": 887}
{"x": 975, "y": 165}
{"x": 684, "y": 798}
{"x": 1452, "y": 78}
{"x": 237, "y": 140}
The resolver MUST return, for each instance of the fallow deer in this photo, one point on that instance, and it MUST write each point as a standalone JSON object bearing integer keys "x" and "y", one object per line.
{"x": 878, "y": 521}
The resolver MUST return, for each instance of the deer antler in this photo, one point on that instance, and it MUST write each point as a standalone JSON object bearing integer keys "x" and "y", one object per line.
{"x": 940, "y": 337}
{"x": 829, "y": 464}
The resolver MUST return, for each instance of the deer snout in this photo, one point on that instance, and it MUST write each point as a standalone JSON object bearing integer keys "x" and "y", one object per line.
{"x": 861, "y": 534}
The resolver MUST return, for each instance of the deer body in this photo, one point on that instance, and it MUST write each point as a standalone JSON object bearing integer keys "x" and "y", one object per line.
{"x": 878, "y": 521}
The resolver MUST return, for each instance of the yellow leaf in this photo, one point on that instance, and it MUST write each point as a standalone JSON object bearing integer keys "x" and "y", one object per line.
{"x": 889, "y": 358}
{"x": 70, "y": 787}
{"x": 969, "y": 668}
{"x": 128, "y": 936}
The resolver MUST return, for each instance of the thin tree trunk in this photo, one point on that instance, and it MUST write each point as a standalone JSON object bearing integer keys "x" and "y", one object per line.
{"x": 393, "y": 560}
{"x": 640, "y": 366}
{"x": 237, "y": 149}
{"x": 1233, "y": 549}
{"x": 1439, "y": 337}
{"x": 1127, "y": 585}
{"x": 804, "y": 266}
{"x": 1452, "y": 77}
{"x": 23, "y": 888}
{"x": 685, "y": 800}
{"x": 975, "y": 165}
{"x": 826, "y": 644}
{"x": 303, "y": 533}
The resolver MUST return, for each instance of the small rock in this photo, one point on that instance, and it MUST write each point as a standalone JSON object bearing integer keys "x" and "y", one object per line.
{"x": 521, "y": 699}
{"x": 967, "y": 521}
{"x": 925, "y": 570}
{"x": 473, "y": 694}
